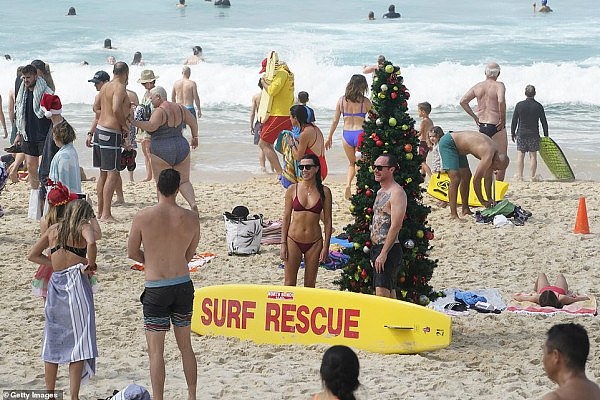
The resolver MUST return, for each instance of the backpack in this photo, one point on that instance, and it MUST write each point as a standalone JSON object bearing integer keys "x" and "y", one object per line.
{"x": 243, "y": 235}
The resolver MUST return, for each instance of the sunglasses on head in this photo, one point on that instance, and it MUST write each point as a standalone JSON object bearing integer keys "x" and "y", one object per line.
{"x": 381, "y": 167}
{"x": 305, "y": 166}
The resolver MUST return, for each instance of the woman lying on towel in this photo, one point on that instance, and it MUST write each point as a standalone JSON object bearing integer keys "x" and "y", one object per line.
{"x": 70, "y": 326}
{"x": 301, "y": 235}
{"x": 546, "y": 295}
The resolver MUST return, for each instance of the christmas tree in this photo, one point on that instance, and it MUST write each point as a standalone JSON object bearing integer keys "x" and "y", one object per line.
{"x": 389, "y": 129}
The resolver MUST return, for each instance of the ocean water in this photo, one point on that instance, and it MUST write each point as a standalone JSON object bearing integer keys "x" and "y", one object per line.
{"x": 442, "y": 49}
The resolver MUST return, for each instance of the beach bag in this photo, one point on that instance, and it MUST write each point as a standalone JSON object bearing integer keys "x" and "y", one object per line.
{"x": 504, "y": 207}
{"x": 243, "y": 234}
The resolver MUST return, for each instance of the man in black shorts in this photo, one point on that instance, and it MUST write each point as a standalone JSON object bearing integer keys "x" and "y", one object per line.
{"x": 388, "y": 215}
{"x": 169, "y": 235}
{"x": 32, "y": 125}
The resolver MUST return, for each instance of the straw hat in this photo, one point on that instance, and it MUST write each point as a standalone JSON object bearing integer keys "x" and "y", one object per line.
{"x": 146, "y": 76}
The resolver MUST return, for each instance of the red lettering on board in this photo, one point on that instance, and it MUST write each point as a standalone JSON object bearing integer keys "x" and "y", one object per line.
{"x": 303, "y": 323}
{"x": 287, "y": 317}
{"x": 349, "y": 323}
{"x": 219, "y": 320}
{"x": 330, "y": 320}
{"x": 233, "y": 313}
{"x": 272, "y": 316}
{"x": 313, "y": 321}
{"x": 207, "y": 317}
{"x": 248, "y": 308}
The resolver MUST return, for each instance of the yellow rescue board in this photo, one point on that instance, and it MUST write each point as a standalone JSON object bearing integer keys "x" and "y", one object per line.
{"x": 298, "y": 315}
{"x": 264, "y": 107}
{"x": 440, "y": 183}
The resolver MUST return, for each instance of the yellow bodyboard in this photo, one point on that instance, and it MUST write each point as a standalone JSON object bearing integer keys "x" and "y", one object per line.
{"x": 298, "y": 315}
{"x": 440, "y": 183}
{"x": 264, "y": 107}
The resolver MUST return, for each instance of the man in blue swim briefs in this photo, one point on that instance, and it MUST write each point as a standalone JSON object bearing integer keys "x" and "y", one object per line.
{"x": 453, "y": 148}
{"x": 185, "y": 92}
{"x": 491, "y": 109}
{"x": 169, "y": 236}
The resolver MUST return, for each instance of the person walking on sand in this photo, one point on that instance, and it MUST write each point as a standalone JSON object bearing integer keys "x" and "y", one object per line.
{"x": 388, "y": 215}
{"x": 453, "y": 148}
{"x": 114, "y": 105}
{"x": 525, "y": 121}
{"x": 169, "y": 235}
{"x": 353, "y": 106}
{"x": 255, "y": 129}
{"x": 281, "y": 89}
{"x": 185, "y": 92}
{"x": 565, "y": 353}
{"x": 491, "y": 105}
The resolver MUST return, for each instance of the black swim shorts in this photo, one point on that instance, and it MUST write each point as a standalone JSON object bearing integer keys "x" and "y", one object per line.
{"x": 107, "y": 148}
{"x": 166, "y": 304}
{"x": 488, "y": 129}
{"x": 388, "y": 278}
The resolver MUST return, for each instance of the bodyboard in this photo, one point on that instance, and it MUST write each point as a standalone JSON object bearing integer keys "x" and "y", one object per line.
{"x": 440, "y": 183}
{"x": 297, "y": 315}
{"x": 555, "y": 160}
{"x": 264, "y": 107}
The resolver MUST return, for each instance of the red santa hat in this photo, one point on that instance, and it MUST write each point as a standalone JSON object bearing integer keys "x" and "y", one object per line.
{"x": 51, "y": 105}
{"x": 59, "y": 194}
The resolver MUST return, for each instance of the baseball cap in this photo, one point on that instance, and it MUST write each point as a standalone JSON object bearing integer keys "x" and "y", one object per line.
{"x": 264, "y": 66}
{"x": 100, "y": 76}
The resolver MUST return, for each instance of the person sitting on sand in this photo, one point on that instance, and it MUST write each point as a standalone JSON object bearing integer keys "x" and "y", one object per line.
{"x": 339, "y": 374}
{"x": 557, "y": 295}
{"x": 566, "y": 351}
{"x": 454, "y": 148}
{"x": 301, "y": 232}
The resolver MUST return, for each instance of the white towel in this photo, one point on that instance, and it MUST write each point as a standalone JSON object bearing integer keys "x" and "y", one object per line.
{"x": 39, "y": 89}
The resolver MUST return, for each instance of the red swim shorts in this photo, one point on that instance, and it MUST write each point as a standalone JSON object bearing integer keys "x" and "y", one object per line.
{"x": 273, "y": 126}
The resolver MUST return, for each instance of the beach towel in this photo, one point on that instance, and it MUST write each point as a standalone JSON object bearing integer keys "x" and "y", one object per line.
{"x": 283, "y": 145}
{"x": 39, "y": 89}
{"x": 197, "y": 261}
{"x": 586, "y": 307}
{"x": 70, "y": 326}
{"x": 492, "y": 296}
{"x": 271, "y": 232}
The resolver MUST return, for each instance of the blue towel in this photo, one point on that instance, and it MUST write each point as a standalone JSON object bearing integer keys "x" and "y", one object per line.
{"x": 469, "y": 298}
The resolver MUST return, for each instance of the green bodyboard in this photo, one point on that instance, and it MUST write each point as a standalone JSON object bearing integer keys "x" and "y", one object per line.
{"x": 555, "y": 160}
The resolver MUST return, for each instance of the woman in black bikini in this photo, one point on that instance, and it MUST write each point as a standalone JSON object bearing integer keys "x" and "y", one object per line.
{"x": 70, "y": 326}
{"x": 301, "y": 234}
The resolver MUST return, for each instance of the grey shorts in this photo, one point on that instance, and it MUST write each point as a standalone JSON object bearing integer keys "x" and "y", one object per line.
{"x": 528, "y": 144}
{"x": 107, "y": 148}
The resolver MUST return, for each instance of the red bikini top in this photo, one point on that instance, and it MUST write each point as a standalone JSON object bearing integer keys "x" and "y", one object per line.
{"x": 297, "y": 206}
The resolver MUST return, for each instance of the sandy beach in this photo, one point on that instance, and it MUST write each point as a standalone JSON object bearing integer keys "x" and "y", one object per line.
{"x": 491, "y": 356}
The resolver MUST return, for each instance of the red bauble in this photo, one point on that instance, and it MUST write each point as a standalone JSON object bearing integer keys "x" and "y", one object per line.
{"x": 408, "y": 147}
{"x": 393, "y": 95}
{"x": 369, "y": 211}
{"x": 368, "y": 243}
{"x": 379, "y": 143}
{"x": 429, "y": 235}
{"x": 369, "y": 192}
{"x": 373, "y": 135}
{"x": 363, "y": 273}
{"x": 402, "y": 279}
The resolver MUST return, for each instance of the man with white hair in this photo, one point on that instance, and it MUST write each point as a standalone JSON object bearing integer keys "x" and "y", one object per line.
{"x": 491, "y": 107}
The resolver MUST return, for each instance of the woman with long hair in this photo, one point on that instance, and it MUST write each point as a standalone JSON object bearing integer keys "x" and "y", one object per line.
{"x": 43, "y": 71}
{"x": 547, "y": 295}
{"x": 70, "y": 326}
{"x": 301, "y": 234}
{"x": 311, "y": 139}
{"x": 353, "y": 106}
{"x": 339, "y": 374}
{"x": 137, "y": 59}
{"x": 168, "y": 147}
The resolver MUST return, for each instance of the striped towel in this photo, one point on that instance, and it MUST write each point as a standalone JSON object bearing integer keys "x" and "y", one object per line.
{"x": 282, "y": 145}
{"x": 70, "y": 327}
{"x": 585, "y": 307}
{"x": 39, "y": 89}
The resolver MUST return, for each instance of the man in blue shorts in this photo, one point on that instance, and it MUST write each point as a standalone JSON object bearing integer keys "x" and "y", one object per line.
{"x": 169, "y": 235}
{"x": 453, "y": 148}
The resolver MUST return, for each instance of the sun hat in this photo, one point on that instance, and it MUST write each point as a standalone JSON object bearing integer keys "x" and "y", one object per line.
{"x": 50, "y": 104}
{"x": 146, "y": 76}
{"x": 100, "y": 76}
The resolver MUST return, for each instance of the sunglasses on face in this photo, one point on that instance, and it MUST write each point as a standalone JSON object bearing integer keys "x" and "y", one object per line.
{"x": 305, "y": 166}
{"x": 381, "y": 167}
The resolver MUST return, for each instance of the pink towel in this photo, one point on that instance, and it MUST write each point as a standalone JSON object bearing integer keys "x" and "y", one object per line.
{"x": 585, "y": 307}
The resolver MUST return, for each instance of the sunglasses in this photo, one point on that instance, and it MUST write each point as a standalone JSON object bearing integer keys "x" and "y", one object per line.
{"x": 305, "y": 166}
{"x": 381, "y": 167}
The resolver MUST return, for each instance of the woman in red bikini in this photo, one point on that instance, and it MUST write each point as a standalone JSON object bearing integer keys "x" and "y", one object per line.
{"x": 301, "y": 233}
{"x": 339, "y": 374}
{"x": 557, "y": 295}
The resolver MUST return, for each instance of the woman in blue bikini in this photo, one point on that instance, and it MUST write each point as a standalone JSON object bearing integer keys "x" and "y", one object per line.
{"x": 353, "y": 106}
{"x": 301, "y": 234}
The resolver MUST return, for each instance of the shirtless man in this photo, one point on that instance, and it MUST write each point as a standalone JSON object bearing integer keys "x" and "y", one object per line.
{"x": 185, "y": 92}
{"x": 114, "y": 105}
{"x": 453, "y": 148}
{"x": 565, "y": 353}
{"x": 196, "y": 58}
{"x": 491, "y": 105}
{"x": 388, "y": 215}
{"x": 169, "y": 235}
{"x": 424, "y": 128}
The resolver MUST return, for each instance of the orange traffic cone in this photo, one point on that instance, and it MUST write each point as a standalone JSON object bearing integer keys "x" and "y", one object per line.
{"x": 581, "y": 223}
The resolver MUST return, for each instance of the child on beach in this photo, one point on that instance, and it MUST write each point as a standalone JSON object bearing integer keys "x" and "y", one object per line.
{"x": 424, "y": 128}
{"x": 302, "y": 100}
